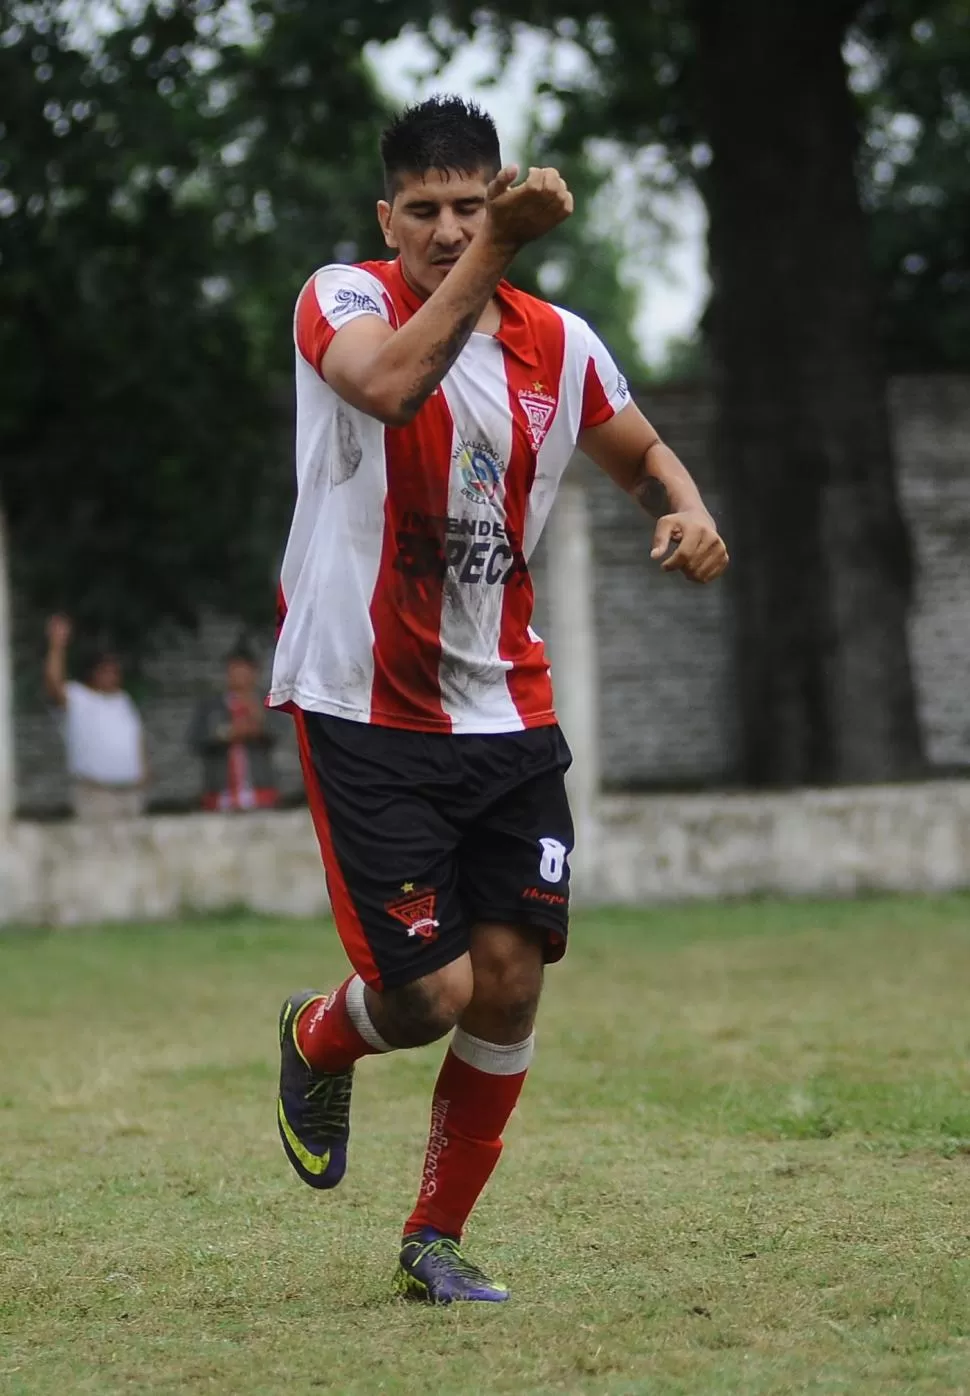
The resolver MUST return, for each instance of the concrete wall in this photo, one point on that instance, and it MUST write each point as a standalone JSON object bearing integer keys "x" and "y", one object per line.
{"x": 824, "y": 843}
{"x": 647, "y": 849}
{"x": 65, "y": 873}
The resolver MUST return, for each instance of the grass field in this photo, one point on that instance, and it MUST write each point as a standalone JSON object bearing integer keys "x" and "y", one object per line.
{"x": 741, "y": 1165}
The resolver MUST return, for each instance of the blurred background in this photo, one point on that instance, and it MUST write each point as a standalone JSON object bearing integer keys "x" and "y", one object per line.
{"x": 772, "y": 234}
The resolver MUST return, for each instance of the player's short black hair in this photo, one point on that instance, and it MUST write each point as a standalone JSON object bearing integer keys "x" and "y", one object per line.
{"x": 443, "y": 133}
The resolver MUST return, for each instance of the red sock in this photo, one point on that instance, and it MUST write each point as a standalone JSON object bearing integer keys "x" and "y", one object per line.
{"x": 474, "y": 1096}
{"x": 334, "y": 1032}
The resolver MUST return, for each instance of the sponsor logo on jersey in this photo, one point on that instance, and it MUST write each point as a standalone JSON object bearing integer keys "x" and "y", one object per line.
{"x": 347, "y": 303}
{"x": 539, "y": 407}
{"x": 415, "y": 911}
{"x": 480, "y": 468}
{"x": 475, "y": 551}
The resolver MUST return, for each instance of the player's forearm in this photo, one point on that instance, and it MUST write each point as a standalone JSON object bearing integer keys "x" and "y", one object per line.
{"x": 412, "y": 362}
{"x": 663, "y": 484}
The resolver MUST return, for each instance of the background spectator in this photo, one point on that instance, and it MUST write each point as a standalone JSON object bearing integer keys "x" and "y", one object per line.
{"x": 102, "y": 728}
{"x": 230, "y": 734}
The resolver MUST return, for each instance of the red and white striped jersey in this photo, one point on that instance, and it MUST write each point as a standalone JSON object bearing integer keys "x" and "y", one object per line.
{"x": 405, "y": 592}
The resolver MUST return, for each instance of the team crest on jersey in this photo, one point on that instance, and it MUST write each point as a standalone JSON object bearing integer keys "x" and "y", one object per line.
{"x": 415, "y": 911}
{"x": 539, "y": 408}
{"x": 481, "y": 470}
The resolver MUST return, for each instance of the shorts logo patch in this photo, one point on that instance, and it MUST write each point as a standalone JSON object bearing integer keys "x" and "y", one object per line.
{"x": 415, "y": 911}
{"x": 480, "y": 468}
{"x": 539, "y": 409}
{"x": 538, "y": 894}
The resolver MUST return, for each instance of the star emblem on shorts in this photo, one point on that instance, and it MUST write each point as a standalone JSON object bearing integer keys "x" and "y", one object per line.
{"x": 407, "y": 886}
{"x": 538, "y": 387}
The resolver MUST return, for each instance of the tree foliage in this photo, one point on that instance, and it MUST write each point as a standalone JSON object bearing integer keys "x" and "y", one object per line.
{"x": 912, "y": 84}
{"x": 915, "y": 80}
{"x": 168, "y": 180}
{"x": 167, "y": 184}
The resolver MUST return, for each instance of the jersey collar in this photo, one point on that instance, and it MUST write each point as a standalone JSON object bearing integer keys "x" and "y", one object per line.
{"x": 514, "y": 331}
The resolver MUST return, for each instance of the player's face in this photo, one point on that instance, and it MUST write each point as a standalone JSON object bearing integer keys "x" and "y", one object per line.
{"x": 432, "y": 221}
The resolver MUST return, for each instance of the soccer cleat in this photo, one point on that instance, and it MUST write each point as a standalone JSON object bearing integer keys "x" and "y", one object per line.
{"x": 313, "y": 1109}
{"x": 434, "y": 1271}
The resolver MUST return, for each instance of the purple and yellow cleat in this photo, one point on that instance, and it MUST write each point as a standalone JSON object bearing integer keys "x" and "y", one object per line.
{"x": 434, "y": 1271}
{"x": 313, "y": 1109}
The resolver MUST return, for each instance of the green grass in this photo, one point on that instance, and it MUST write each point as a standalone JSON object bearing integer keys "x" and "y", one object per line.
{"x": 741, "y": 1165}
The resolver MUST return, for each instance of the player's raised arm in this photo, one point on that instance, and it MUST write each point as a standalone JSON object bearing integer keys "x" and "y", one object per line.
{"x": 630, "y": 451}
{"x": 389, "y": 373}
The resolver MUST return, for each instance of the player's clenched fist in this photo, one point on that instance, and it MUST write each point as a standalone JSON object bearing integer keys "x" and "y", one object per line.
{"x": 698, "y": 548}
{"x": 520, "y": 213}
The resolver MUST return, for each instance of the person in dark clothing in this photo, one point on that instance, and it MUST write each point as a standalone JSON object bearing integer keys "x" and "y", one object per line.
{"x": 230, "y": 733}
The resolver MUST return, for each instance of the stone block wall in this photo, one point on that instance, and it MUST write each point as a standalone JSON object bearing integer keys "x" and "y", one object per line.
{"x": 932, "y": 421}
{"x": 668, "y": 716}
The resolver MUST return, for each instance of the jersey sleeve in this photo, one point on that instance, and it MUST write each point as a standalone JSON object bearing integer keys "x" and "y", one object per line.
{"x": 605, "y": 390}
{"x": 331, "y": 299}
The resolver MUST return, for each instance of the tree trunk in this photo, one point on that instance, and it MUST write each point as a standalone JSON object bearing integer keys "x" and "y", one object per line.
{"x": 821, "y": 560}
{"x": 6, "y": 689}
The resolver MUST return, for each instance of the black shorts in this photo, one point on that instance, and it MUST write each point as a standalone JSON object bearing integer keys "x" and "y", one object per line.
{"x": 425, "y": 834}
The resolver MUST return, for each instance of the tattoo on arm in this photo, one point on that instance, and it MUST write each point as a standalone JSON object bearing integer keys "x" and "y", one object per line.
{"x": 651, "y": 495}
{"x": 443, "y": 354}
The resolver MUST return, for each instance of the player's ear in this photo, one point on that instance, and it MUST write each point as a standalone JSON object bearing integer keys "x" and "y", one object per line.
{"x": 384, "y": 218}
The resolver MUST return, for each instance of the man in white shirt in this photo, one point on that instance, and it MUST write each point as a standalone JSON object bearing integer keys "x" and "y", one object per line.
{"x": 102, "y": 729}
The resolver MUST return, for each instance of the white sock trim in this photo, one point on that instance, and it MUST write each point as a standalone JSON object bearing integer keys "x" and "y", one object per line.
{"x": 491, "y": 1057}
{"x": 357, "y": 1012}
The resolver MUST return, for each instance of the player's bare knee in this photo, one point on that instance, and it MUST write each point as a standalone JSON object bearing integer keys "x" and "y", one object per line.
{"x": 508, "y": 967}
{"x": 516, "y": 1014}
{"x": 426, "y": 1009}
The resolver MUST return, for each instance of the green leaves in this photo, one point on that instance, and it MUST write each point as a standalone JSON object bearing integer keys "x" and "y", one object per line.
{"x": 916, "y": 178}
{"x": 168, "y": 184}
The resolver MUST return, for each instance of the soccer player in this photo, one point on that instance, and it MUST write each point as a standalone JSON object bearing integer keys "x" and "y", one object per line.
{"x": 437, "y": 408}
